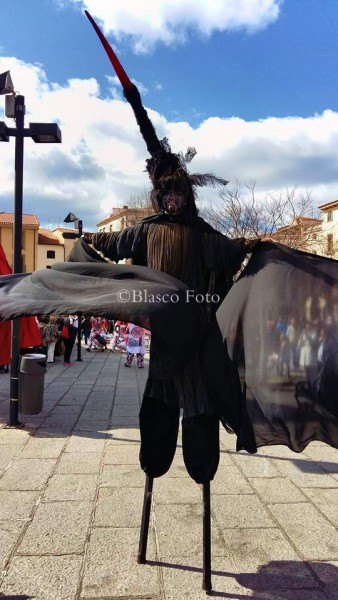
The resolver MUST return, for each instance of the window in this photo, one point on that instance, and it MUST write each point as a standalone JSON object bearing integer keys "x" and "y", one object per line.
{"x": 50, "y": 253}
{"x": 330, "y": 216}
{"x": 48, "y": 267}
{"x": 330, "y": 243}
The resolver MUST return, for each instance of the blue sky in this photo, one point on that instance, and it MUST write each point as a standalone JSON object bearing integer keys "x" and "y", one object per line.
{"x": 254, "y": 90}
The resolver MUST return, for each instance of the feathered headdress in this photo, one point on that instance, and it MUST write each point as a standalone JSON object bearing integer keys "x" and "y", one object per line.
{"x": 163, "y": 163}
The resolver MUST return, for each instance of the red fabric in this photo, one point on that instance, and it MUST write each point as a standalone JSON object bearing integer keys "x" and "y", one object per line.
{"x": 29, "y": 331}
{"x": 65, "y": 332}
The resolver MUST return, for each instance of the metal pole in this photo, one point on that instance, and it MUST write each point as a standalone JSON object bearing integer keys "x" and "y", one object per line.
{"x": 79, "y": 316}
{"x": 17, "y": 257}
{"x": 142, "y": 549}
{"x": 206, "y": 584}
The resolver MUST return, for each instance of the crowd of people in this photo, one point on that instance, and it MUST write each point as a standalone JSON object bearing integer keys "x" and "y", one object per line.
{"x": 296, "y": 346}
{"x": 59, "y": 334}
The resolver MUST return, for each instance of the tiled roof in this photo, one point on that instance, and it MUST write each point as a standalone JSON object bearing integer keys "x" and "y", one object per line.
{"x": 66, "y": 229}
{"x": 297, "y": 222}
{"x": 125, "y": 211}
{"x": 328, "y": 205}
{"x": 7, "y": 218}
{"x": 47, "y": 237}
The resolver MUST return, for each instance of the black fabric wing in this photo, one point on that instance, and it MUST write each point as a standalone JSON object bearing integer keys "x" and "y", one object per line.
{"x": 279, "y": 324}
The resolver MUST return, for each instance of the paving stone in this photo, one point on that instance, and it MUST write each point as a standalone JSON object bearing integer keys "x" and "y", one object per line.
{"x": 43, "y": 577}
{"x": 92, "y": 413}
{"x": 122, "y": 454}
{"x": 86, "y": 442}
{"x": 168, "y": 490}
{"x": 306, "y": 473}
{"x": 27, "y": 474}
{"x": 240, "y": 512}
{"x": 91, "y": 426}
{"x": 79, "y": 463}
{"x": 278, "y": 453}
{"x": 43, "y": 448}
{"x": 119, "y": 435}
{"x": 7, "y": 454}
{"x": 255, "y": 465}
{"x": 312, "y": 535}
{"x": 17, "y": 505}
{"x": 71, "y": 487}
{"x": 111, "y": 569}
{"x": 13, "y": 436}
{"x": 57, "y": 528}
{"x": 229, "y": 480}
{"x": 182, "y": 579}
{"x": 122, "y": 476}
{"x": 64, "y": 409}
{"x": 60, "y": 422}
{"x": 129, "y": 502}
{"x": 225, "y": 458}
{"x": 325, "y": 456}
{"x": 327, "y": 572}
{"x": 277, "y": 490}
{"x": 125, "y": 410}
{"x": 179, "y": 530}
{"x": 264, "y": 559}
{"x": 291, "y": 595}
{"x": 327, "y": 502}
{"x": 10, "y": 532}
{"x": 124, "y": 421}
{"x": 127, "y": 397}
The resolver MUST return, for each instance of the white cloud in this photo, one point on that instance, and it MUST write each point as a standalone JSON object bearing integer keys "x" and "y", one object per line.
{"x": 100, "y": 163}
{"x": 171, "y": 21}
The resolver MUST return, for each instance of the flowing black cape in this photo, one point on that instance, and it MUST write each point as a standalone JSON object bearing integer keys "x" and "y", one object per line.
{"x": 287, "y": 392}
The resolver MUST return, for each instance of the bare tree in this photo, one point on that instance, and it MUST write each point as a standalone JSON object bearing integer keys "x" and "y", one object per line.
{"x": 286, "y": 217}
{"x": 139, "y": 207}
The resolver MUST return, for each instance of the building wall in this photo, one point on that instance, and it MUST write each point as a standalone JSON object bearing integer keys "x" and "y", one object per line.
{"x": 68, "y": 244}
{"x": 29, "y": 246}
{"x": 43, "y": 262}
{"x": 330, "y": 231}
{"x": 113, "y": 225}
{"x": 6, "y": 236}
{"x": 29, "y": 253}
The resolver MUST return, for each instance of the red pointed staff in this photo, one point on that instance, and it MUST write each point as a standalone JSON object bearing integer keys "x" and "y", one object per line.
{"x": 119, "y": 70}
{"x": 132, "y": 95}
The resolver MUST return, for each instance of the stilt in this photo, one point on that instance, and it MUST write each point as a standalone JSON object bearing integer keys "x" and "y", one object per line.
{"x": 206, "y": 585}
{"x": 142, "y": 549}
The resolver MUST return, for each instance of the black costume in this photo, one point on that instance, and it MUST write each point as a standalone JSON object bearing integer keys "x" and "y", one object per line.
{"x": 187, "y": 248}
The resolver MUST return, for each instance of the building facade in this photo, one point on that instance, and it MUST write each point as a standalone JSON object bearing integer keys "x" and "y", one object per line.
{"x": 120, "y": 218}
{"x": 30, "y": 232}
{"x": 50, "y": 249}
{"x": 330, "y": 228}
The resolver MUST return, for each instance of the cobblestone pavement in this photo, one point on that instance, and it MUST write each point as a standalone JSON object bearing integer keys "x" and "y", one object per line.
{"x": 71, "y": 493}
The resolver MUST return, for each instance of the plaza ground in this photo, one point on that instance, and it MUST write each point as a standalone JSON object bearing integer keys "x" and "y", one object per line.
{"x": 71, "y": 493}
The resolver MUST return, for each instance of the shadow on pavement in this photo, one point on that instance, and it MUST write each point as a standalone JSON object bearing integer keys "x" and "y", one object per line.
{"x": 276, "y": 580}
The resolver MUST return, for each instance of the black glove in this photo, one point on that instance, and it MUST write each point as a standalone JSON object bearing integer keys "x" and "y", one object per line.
{"x": 88, "y": 238}
{"x": 133, "y": 96}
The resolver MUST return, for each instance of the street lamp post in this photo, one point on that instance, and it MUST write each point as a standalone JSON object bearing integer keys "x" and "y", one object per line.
{"x": 71, "y": 218}
{"x": 40, "y": 133}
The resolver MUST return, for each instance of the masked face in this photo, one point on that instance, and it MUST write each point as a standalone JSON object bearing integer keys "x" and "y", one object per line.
{"x": 173, "y": 202}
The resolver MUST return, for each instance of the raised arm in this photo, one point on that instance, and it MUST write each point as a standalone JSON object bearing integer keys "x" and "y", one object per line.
{"x": 225, "y": 254}
{"x": 117, "y": 244}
